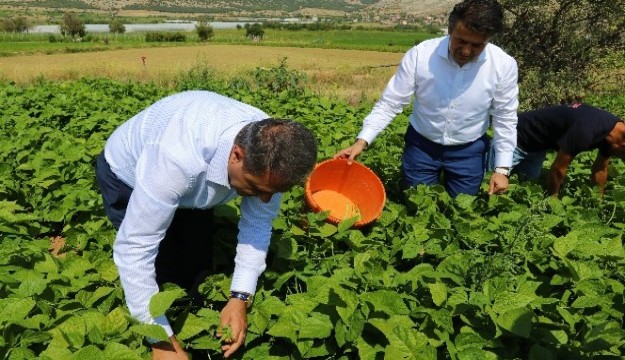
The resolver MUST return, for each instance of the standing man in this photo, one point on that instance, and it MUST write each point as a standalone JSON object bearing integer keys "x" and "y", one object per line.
{"x": 162, "y": 172}
{"x": 459, "y": 82}
{"x": 569, "y": 130}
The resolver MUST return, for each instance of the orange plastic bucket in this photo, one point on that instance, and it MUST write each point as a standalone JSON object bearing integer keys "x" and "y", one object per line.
{"x": 346, "y": 191}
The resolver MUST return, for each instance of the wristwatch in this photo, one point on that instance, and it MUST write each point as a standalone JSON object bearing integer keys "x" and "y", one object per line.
{"x": 502, "y": 171}
{"x": 245, "y": 297}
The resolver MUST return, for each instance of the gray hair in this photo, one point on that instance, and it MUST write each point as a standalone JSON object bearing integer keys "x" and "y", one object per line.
{"x": 481, "y": 16}
{"x": 284, "y": 148}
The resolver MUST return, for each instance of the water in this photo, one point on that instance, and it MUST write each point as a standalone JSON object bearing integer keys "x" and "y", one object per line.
{"x": 168, "y": 26}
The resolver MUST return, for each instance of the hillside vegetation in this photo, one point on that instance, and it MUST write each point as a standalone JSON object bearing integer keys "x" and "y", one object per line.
{"x": 249, "y": 7}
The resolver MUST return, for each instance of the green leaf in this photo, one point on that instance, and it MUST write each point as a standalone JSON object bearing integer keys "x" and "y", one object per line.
{"x": 90, "y": 352}
{"x": 192, "y": 326}
{"x": 34, "y": 322}
{"x": 366, "y": 350}
{"x": 115, "y": 322}
{"x": 31, "y": 287}
{"x": 207, "y": 342}
{"x": 316, "y": 326}
{"x": 120, "y": 352}
{"x": 89, "y": 298}
{"x": 508, "y": 300}
{"x": 108, "y": 271}
{"x": 20, "y": 353}
{"x": 467, "y": 340}
{"x": 583, "y": 302}
{"x": 517, "y": 321}
{"x": 93, "y": 321}
{"x": 414, "y": 245}
{"x": 297, "y": 231}
{"x": 389, "y": 326}
{"x": 56, "y": 350}
{"x": 151, "y": 331}
{"x": 564, "y": 245}
{"x": 287, "y": 324}
{"x": 476, "y": 354}
{"x": 346, "y": 224}
{"x": 570, "y": 319}
{"x": 409, "y": 344}
{"x": 74, "y": 331}
{"x": 438, "y": 291}
{"x": 48, "y": 265}
{"x": 161, "y": 301}
{"x": 325, "y": 230}
{"x": 13, "y": 309}
{"x": 386, "y": 301}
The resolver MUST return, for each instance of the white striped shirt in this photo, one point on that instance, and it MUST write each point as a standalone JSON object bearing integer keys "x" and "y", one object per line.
{"x": 174, "y": 154}
{"x": 452, "y": 104}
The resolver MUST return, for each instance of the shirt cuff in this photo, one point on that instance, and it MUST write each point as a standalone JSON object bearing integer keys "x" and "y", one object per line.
{"x": 503, "y": 159}
{"x": 244, "y": 281}
{"x": 367, "y": 135}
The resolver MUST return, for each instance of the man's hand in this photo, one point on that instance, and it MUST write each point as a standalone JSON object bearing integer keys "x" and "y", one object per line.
{"x": 167, "y": 351}
{"x": 498, "y": 184}
{"x": 353, "y": 151}
{"x": 234, "y": 315}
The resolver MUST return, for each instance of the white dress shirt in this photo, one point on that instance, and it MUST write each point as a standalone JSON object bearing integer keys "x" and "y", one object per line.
{"x": 174, "y": 154}
{"x": 452, "y": 104}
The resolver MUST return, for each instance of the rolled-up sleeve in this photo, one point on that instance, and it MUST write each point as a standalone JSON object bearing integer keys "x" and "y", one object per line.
{"x": 253, "y": 241}
{"x": 504, "y": 115}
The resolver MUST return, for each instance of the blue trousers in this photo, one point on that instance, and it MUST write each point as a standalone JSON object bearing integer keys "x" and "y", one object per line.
{"x": 528, "y": 165}
{"x": 185, "y": 254}
{"x": 461, "y": 167}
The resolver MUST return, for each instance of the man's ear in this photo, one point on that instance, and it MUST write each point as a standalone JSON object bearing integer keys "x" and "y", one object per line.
{"x": 236, "y": 154}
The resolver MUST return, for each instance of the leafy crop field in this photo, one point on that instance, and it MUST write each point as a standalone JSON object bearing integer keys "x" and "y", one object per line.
{"x": 517, "y": 276}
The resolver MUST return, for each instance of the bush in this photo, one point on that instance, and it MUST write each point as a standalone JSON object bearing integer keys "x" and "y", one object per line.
{"x": 204, "y": 30}
{"x": 72, "y": 25}
{"x": 558, "y": 45}
{"x": 254, "y": 31}
{"x": 165, "y": 37}
{"x": 117, "y": 27}
{"x": 280, "y": 79}
{"x": 16, "y": 24}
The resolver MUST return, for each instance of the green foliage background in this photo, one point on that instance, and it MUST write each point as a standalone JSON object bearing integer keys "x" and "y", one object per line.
{"x": 514, "y": 276}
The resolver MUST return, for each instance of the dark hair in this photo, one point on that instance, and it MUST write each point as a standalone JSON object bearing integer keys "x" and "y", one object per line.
{"x": 284, "y": 148}
{"x": 482, "y": 16}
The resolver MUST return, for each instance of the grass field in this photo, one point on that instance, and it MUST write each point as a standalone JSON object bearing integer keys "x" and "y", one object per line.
{"x": 350, "y": 64}
{"x": 350, "y": 74}
{"x": 376, "y": 40}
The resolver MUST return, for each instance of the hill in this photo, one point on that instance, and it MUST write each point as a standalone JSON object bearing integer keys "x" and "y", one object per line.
{"x": 250, "y": 7}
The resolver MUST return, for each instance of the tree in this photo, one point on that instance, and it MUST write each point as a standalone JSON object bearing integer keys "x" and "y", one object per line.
{"x": 204, "y": 30}
{"x": 15, "y": 24}
{"x": 117, "y": 27}
{"x": 558, "y": 45}
{"x": 72, "y": 25}
{"x": 254, "y": 31}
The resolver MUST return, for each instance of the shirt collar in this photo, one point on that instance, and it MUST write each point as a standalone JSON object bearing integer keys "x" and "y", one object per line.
{"x": 217, "y": 171}
{"x": 443, "y": 51}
